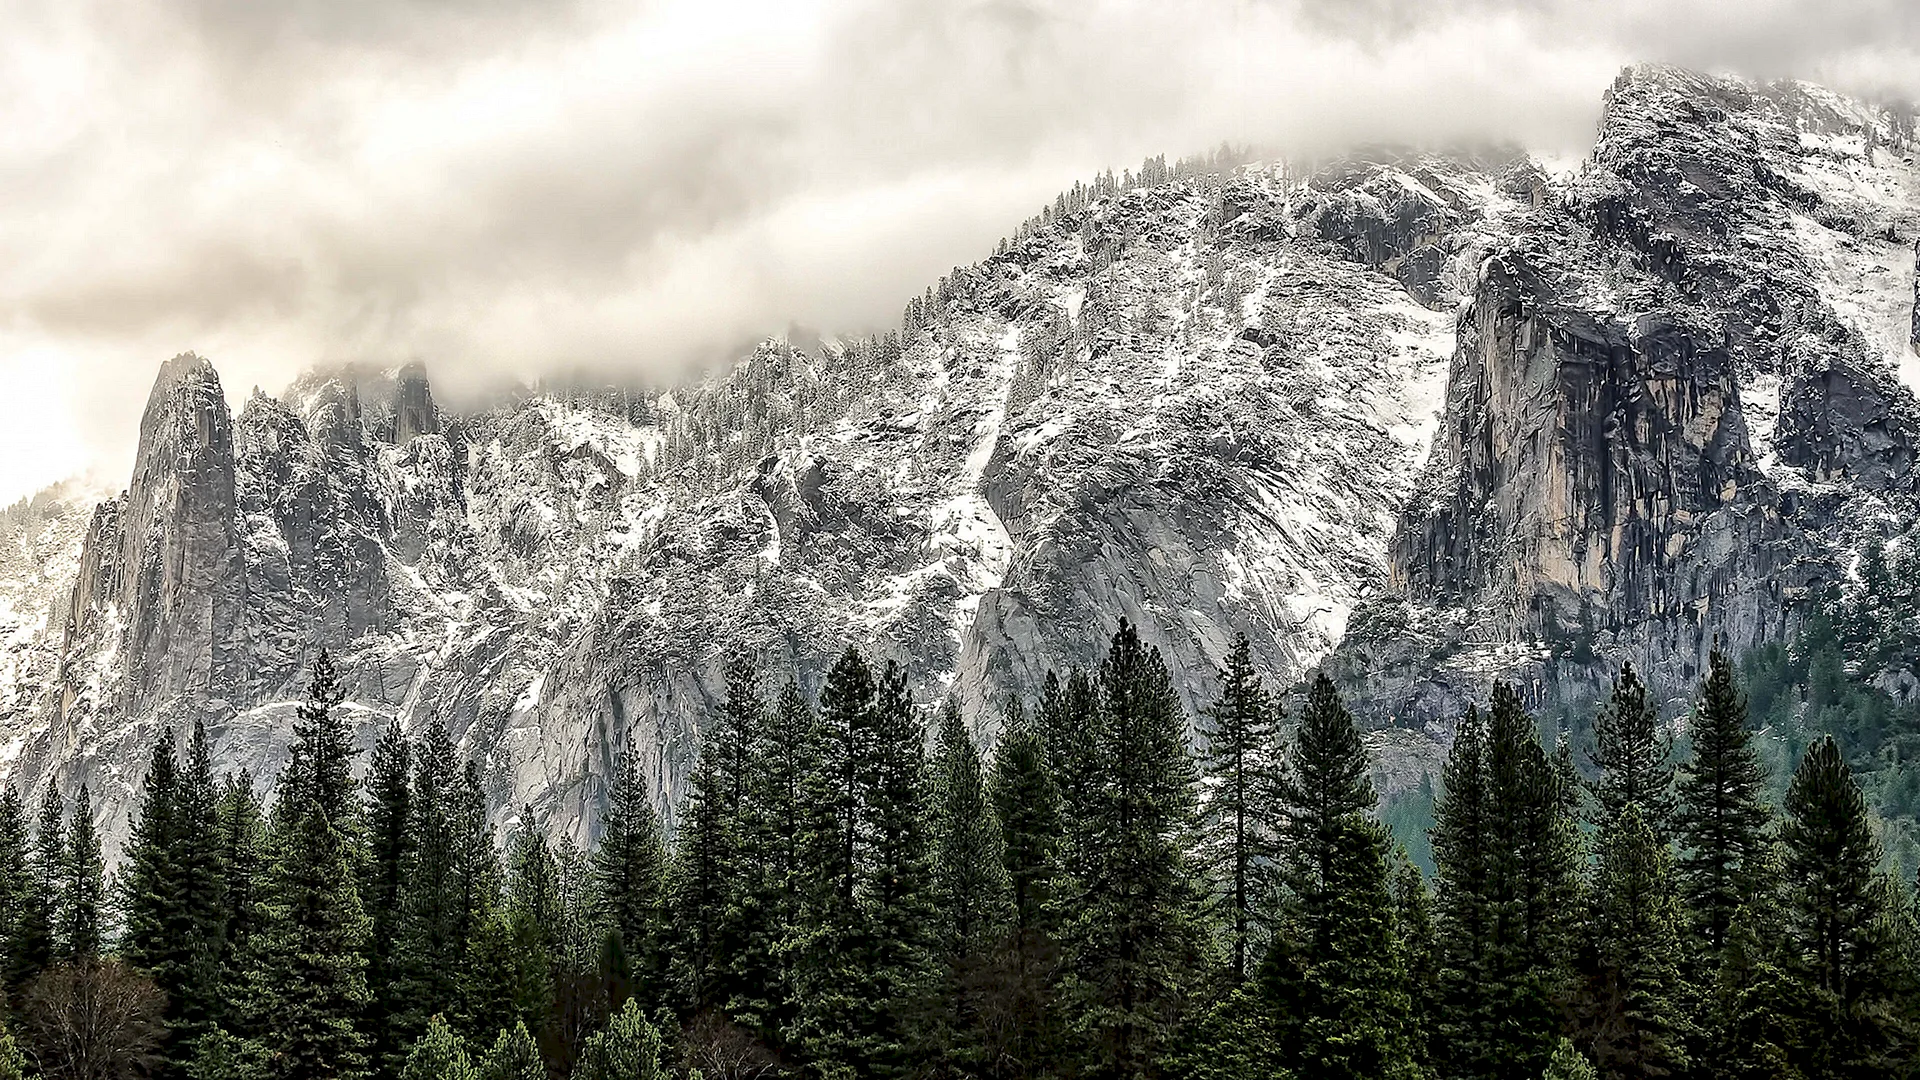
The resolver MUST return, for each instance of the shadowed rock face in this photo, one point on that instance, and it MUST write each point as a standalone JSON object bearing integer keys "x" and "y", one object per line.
{"x": 1440, "y": 419}
{"x": 1674, "y": 409}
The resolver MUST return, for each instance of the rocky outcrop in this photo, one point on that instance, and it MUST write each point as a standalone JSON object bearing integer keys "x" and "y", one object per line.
{"x": 1913, "y": 335}
{"x": 161, "y": 576}
{"x": 414, "y": 414}
{"x": 1668, "y": 407}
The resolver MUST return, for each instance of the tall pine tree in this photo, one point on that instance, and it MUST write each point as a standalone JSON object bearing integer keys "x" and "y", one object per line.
{"x": 1633, "y": 1008}
{"x": 630, "y": 883}
{"x": 1631, "y": 755}
{"x": 1836, "y": 923}
{"x": 1355, "y": 1015}
{"x": 388, "y": 834}
{"x": 1721, "y": 821}
{"x": 83, "y": 886}
{"x": 1137, "y": 937}
{"x": 1243, "y": 773}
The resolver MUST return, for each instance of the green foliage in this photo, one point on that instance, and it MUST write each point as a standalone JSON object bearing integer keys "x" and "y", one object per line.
{"x": 1136, "y": 937}
{"x": 1027, "y": 806}
{"x": 389, "y": 833}
{"x": 1243, "y": 771}
{"x": 1568, "y": 1063}
{"x": 629, "y": 870}
{"x": 13, "y": 1063}
{"x": 240, "y": 858}
{"x": 786, "y": 829}
{"x": 629, "y": 1049}
{"x": 438, "y": 1054}
{"x": 513, "y": 1057}
{"x": 82, "y": 885}
{"x": 710, "y": 856}
{"x": 1721, "y": 821}
{"x": 837, "y": 904}
{"x": 1632, "y": 756}
{"x": 1233, "y": 1039}
{"x": 1838, "y": 918}
{"x": 31, "y": 946}
{"x": 448, "y": 888}
{"x": 312, "y": 948}
{"x": 173, "y": 893}
{"x": 1634, "y": 1019}
{"x": 221, "y": 1055}
{"x": 970, "y": 890}
{"x": 1508, "y": 855}
{"x": 1351, "y": 1012}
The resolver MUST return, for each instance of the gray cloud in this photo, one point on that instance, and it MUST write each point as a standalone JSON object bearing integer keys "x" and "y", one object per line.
{"x": 504, "y": 186}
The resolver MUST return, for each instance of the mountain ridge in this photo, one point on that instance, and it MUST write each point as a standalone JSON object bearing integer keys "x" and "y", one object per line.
{"x": 1244, "y": 400}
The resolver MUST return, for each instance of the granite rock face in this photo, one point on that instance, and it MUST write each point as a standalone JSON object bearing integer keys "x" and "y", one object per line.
{"x": 1444, "y": 418}
{"x": 1676, "y": 406}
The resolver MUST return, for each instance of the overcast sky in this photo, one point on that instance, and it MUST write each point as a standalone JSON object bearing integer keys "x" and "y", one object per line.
{"x": 501, "y": 187}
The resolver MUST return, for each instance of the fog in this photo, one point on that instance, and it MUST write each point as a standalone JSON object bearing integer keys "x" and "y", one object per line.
{"x": 501, "y": 188}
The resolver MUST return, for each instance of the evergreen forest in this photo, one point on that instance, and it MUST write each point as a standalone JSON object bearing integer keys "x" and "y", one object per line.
{"x": 852, "y": 890}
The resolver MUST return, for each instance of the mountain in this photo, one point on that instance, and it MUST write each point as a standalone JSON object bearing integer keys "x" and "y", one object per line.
{"x": 1432, "y": 417}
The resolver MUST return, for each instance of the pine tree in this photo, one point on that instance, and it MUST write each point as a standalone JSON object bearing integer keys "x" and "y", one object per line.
{"x": 1356, "y": 1022}
{"x": 630, "y": 882}
{"x": 1068, "y": 724}
{"x": 172, "y": 894}
{"x": 34, "y": 942}
{"x": 221, "y": 1055}
{"x": 782, "y": 822}
{"x": 242, "y": 860}
{"x": 1756, "y": 1010}
{"x": 513, "y": 1057}
{"x": 1632, "y": 756}
{"x": 1463, "y": 916}
{"x": 388, "y": 833}
{"x": 1325, "y": 784}
{"x": 82, "y": 886}
{"x": 1568, "y": 1063}
{"x": 969, "y": 868}
{"x": 15, "y": 871}
{"x": 475, "y": 917}
{"x": 832, "y": 987}
{"x": 1027, "y": 805}
{"x": 1721, "y": 820}
{"x": 320, "y": 761}
{"x": 896, "y": 874}
{"x": 1355, "y": 1018}
{"x": 201, "y": 926}
{"x": 1243, "y": 774}
{"x": 1836, "y": 909}
{"x": 13, "y": 1063}
{"x": 710, "y": 858}
{"x": 629, "y": 1049}
{"x": 1418, "y": 949}
{"x": 312, "y": 947}
{"x": 1633, "y": 1004}
{"x": 431, "y": 921}
{"x": 1137, "y": 939}
{"x": 1508, "y": 855}
{"x": 534, "y": 916}
{"x": 151, "y": 877}
{"x": 439, "y": 1054}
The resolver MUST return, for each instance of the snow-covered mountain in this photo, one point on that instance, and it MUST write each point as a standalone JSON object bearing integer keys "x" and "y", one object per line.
{"x": 1444, "y": 416}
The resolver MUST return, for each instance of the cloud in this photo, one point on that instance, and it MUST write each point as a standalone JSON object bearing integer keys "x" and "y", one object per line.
{"x": 502, "y": 187}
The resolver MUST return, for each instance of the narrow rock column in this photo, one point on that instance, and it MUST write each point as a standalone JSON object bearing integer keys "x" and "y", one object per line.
{"x": 1913, "y": 336}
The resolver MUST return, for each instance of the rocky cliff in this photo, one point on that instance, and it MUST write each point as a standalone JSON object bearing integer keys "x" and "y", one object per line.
{"x": 1447, "y": 417}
